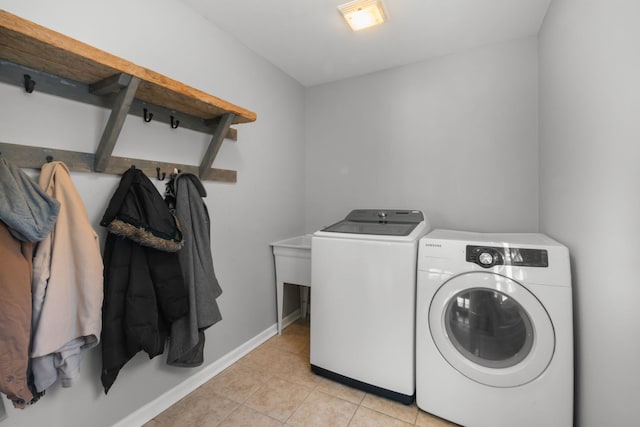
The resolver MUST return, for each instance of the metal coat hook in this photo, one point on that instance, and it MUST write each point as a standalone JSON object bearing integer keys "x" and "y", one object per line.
{"x": 164, "y": 175}
{"x": 29, "y": 84}
{"x": 49, "y": 159}
{"x": 174, "y": 123}
{"x": 147, "y": 115}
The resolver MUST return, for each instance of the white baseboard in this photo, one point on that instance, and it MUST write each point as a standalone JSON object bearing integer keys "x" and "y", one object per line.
{"x": 290, "y": 318}
{"x": 147, "y": 412}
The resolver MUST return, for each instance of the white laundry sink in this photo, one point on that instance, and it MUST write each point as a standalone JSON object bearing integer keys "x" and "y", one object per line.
{"x": 299, "y": 242}
{"x": 293, "y": 266}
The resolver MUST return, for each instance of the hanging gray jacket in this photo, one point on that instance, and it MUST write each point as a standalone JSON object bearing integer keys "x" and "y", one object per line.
{"x": 186, "y": 344}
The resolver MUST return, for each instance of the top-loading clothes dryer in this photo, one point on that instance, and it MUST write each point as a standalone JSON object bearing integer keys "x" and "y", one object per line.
{"x": 363, "y": 276}
{"x": 494, "y": 332}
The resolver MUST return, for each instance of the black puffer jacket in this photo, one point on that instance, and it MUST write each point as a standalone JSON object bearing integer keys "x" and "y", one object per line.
{"x": 144, "y": 291}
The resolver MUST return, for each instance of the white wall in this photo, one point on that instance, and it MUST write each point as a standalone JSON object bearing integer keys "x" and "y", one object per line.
{"x": 455, "y": 136}
{"x": 265, "y": 205}
{"x": 589, "y": 191}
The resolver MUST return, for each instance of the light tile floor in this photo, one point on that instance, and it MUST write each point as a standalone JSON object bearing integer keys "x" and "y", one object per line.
{"x": 274, "y": 386}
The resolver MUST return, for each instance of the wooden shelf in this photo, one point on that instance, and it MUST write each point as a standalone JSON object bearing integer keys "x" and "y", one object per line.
{"x": 68, "y": 68}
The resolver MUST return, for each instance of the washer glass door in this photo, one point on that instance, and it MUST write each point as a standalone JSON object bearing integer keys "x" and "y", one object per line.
{"x": 491, "y": 329}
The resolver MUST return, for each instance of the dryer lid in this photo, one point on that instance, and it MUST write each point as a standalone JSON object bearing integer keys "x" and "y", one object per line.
{"x": 378, "y": 222}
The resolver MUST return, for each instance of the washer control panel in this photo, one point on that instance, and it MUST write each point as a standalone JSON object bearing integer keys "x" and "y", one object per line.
{"x": 489, "y": 256}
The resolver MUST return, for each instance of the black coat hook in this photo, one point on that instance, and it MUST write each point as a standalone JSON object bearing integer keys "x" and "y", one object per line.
{"x": 174, "y": 123}
{"x": 147, "y": 115}
{"x": 164, "y": 175}
{"x": 29, "y": 84}
{"x": 49, "y": 159}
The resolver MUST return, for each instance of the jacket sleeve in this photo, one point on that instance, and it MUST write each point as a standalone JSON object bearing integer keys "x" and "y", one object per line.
{"x": 117, "y": 252}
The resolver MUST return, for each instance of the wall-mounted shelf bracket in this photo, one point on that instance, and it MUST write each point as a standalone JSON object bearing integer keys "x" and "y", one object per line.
{"x": 121, "y": 106}
{"x": 111, "y": 84}
{"x": 216, "y": 142}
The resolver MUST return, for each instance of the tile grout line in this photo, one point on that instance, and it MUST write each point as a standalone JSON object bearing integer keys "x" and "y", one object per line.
{"x": 238, "y": 405}
{"x": 354, "y": 414}
{"x": 300, "y": 404}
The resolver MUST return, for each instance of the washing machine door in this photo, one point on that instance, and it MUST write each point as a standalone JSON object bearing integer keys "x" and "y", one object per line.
{"x": 491, "y": 329}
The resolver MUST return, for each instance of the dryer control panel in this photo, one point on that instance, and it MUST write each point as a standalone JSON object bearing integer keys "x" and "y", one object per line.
{"x": 488, "y": 256}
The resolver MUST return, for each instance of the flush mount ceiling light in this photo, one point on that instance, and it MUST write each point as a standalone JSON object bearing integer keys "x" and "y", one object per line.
{"x": 361, "y": 14}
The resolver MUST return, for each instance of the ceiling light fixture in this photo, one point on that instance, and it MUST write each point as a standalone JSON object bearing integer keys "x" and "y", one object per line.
{"x": 361, "y": 14}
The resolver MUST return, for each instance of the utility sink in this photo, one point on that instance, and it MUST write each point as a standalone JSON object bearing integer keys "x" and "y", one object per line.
{"x": 293, "y": 266}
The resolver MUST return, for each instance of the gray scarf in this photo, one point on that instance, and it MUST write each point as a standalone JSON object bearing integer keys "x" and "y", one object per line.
{"x": 28, "y": 212}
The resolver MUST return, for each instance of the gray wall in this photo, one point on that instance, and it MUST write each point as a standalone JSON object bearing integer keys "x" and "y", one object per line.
{"x": 455, "y": 136}
{"x": 265, "y": 205}
{"x": 589, "y": 191}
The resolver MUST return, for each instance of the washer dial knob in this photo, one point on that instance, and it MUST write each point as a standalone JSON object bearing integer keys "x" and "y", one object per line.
{"x": 486, "y": 259}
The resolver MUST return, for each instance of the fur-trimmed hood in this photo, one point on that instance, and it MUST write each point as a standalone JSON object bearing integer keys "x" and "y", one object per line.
{"x": 138, "y": 212}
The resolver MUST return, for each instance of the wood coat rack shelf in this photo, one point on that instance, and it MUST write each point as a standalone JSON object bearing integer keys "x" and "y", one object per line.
{"x": 42, "y": 60}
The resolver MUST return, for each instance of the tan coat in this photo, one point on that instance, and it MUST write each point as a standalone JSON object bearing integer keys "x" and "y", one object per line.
{"x": 67, "y": 286}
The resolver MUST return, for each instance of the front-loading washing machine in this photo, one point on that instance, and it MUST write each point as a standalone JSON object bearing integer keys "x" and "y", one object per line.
{"x": 494, "y": 329}
{"x": 363, "y": 284}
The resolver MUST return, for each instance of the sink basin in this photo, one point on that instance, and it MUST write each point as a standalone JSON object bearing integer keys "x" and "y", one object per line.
{"x": 302, "y": 242}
